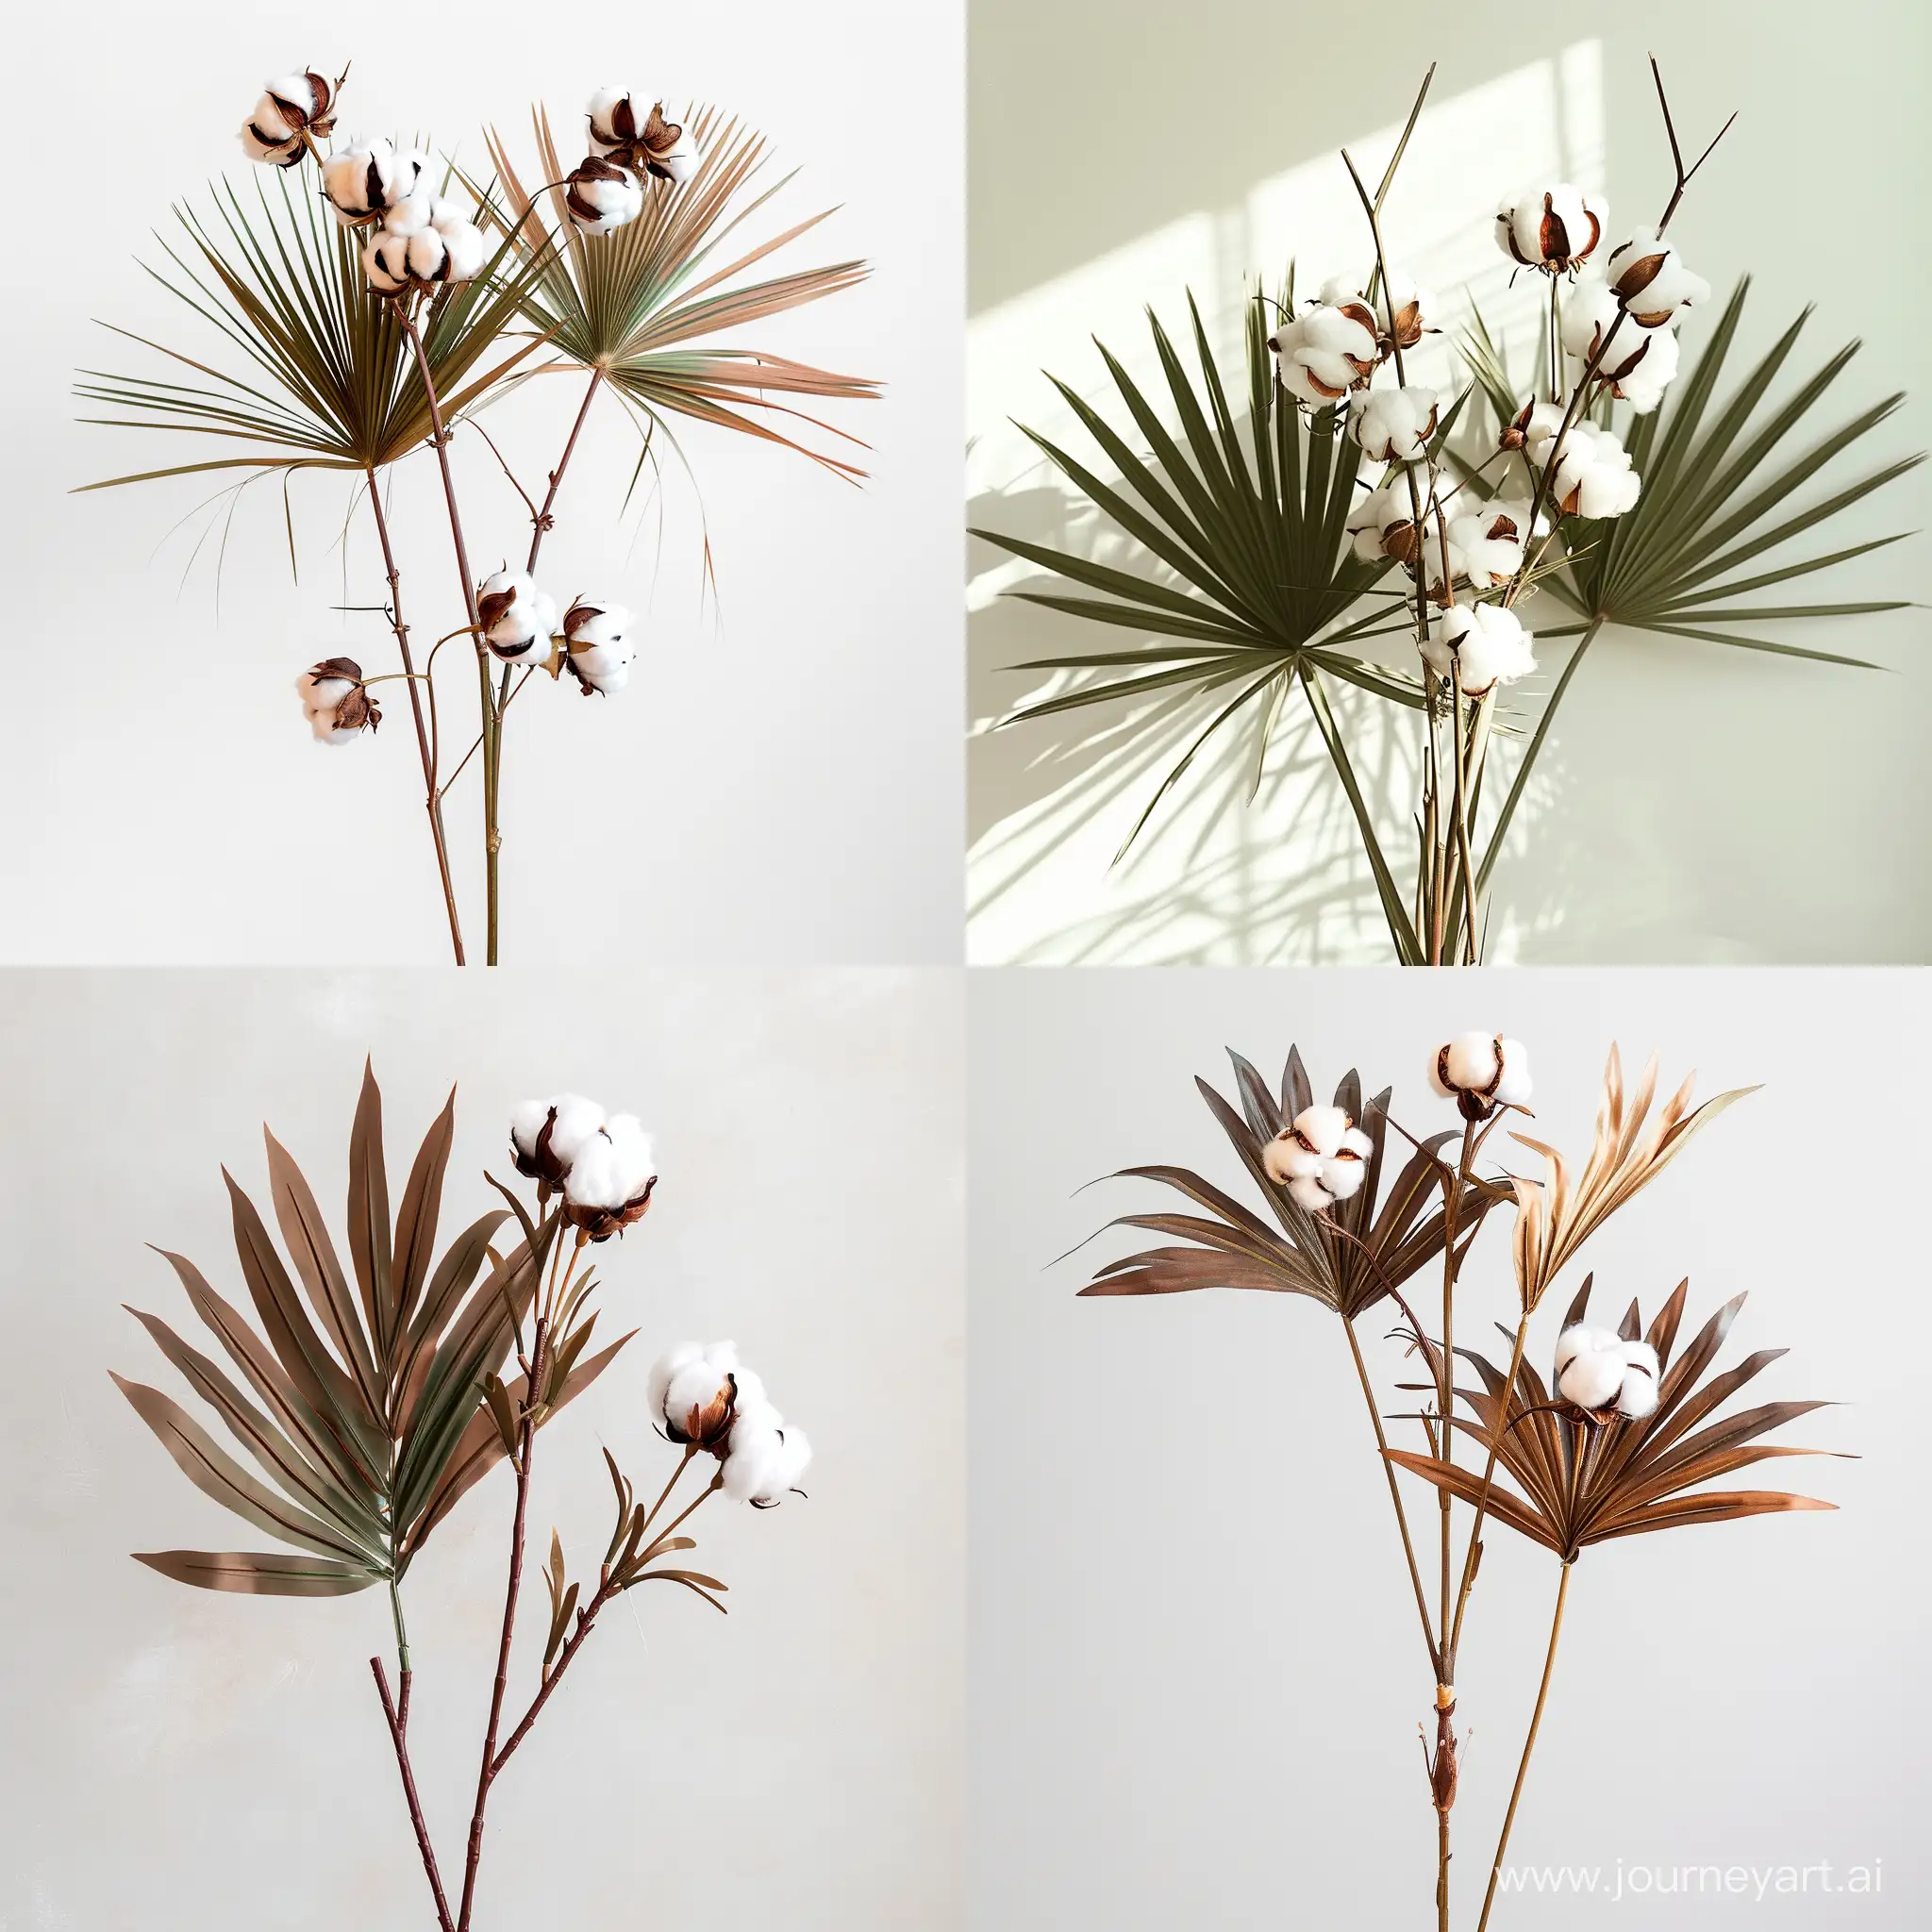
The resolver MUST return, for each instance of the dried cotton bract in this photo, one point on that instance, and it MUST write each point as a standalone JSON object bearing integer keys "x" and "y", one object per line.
{"x": 1555, "y": 229}
{"x": 336, "y": 702}
{"x": 1319, "y": 1157}
{"x": 1480, "y": 646}
{"x": 1481, "y": 1071}
{"x": 1602, "y": 1374}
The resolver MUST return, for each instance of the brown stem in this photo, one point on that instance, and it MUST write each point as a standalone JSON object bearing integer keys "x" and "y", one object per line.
{"x": 1529, "y": 1745}
{"x": 398, "y": 1717}
{"x": 1415, "y": 1574}
{"x": 493, "y": 837}
{"x": 544, "y": 518}
{"x": 527, "y": 1436}
{"x": 433, "y": 801}
{"x": 1473, "y": 1555}
{"x": 589, "y": 1616}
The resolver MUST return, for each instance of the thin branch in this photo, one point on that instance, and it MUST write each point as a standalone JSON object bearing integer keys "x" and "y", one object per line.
{"x": 1529, "y": 1745}
{"x": 398, "y": 1727}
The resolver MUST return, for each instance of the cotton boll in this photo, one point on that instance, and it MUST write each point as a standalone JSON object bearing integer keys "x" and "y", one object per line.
{"x": 336, "y": 702}
{"x": 412, "y": 214}
{"x": 1555, "y": 228}
{"x": 1648, "y": 277}
{"x": 1309, "y": 1192}
{"x": 302, "y": 100}
{"x": 1322, "y": 1128}
{"x": 549, "y": 1159}
{"x": 610, "y": 1180}
{"x": 1326, "y": 351}
{"x": 1286, "y": 1159}
{"x": 1481, "y": 1071}
{"x": 1637, "y": 1396}
{"x": 1512, "y": 1083}
{"x": 694, "y": 1394}
{"x": 624, "y": 131}
{"x": 1638, "y": 363}
{"x": 1486, "y": 543}
{"x": 1590, "y": 1366}
{"x": 1394, "y": 425}
{"x": 601, "y": 651}
{"x": 1343, "y": 1177}
{"x": 386, "y": 262}
{"x": 467, "y": 251}
{"x": 1643, "y": 380}
{"x": 267, "y": 136}
{"x": 599, "y": 196}
{"x": 1482, "y": 645}
{"x": 366, "y": 179}
{"x": 1594, "y": 475}
{"x": 766, "y": 1459}
{"x": 519, "y": 620}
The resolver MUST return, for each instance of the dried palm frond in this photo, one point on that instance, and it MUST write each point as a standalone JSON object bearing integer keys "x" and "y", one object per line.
{"x": 372, "y": 1418}
{"x": 638, "y": 305}
{"x": 1556, "y": 1216}
{"x": 1581, "y": 1481}
{"x": 320, "y": 375}
{"x": 1347, "y": 1257}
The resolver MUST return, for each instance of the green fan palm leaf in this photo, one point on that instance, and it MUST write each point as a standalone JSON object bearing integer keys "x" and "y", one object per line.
{"x": 314, "y": 371}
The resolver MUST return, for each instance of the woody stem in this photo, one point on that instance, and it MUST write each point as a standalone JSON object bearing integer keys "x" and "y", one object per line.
{"x": 493, "y": 837}
{"x": 433, "y": 798}
{"x": 1529, "y": 1745}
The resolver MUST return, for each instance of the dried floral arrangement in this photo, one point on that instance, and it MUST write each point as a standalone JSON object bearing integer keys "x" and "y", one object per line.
{"x": 402, "y": 1383}
{"x": 1577, "y": 490}
{"x": 369, "y": 303}
{"x": 1619, "y": 1440}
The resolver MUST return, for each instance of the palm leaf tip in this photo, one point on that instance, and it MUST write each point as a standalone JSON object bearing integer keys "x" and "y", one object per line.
{"x": 1576, "y": 1480}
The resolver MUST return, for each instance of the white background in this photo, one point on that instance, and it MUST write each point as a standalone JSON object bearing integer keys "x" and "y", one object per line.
{"x": 782, "y": 784}
{"x": 1695, "y": 804}
{"x": 177, "y": 1759}
{"x": 1196, "y": 1669}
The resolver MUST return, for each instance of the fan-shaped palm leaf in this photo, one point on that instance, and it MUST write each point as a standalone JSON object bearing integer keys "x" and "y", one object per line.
{"x": 368, "y": 1407}
{"x": 1581, "y": 1481}
{"x": 1347, "y": 1258}
{"x": 1251, "y": 533}
{"x": 1717, "y": 497}
{"x": 638, "y": 305}
{"x": 313, "y": 371}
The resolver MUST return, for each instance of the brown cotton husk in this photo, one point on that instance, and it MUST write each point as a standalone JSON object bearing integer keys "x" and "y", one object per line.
{"x": 1556, "y": 1215}
{"x": 1580, "y": 1480}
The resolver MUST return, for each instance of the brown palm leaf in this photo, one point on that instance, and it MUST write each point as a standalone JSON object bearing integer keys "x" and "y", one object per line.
{"x": 1555, "y": 1217}
{"x": 368, "y": 1386}
{"x": 1347, "y": 1258}
{"x": 646, "y": 304}
{"x": 1580, "y": 1481}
